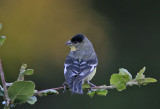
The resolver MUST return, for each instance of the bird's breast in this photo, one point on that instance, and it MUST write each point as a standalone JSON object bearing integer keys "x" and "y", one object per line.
{"x": 90, "y": 76}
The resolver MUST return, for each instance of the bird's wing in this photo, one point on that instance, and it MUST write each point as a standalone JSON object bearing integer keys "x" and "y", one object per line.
{"x": 75, "y": 71}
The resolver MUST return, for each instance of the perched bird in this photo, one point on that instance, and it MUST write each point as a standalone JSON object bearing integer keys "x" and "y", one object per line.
{"x": 81, "y": 62}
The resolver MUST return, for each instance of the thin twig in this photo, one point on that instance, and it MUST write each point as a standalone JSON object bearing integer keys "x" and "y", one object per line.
{"x": 4, "y": 86}
{"x": 39, "y": 93}
{"x": 133, "y": 82}
{"x": 8, "y": 84}
{"x": 103, "y": 87}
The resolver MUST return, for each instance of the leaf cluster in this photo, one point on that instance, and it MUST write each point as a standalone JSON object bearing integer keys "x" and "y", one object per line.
{"x": 21, "y": 91}
{"x": 121, "y": 80}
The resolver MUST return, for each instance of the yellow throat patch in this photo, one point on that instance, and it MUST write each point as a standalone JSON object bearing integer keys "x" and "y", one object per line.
{"x": 73, "y": 48}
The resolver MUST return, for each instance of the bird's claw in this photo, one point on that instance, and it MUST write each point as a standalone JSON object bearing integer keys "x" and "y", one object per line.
{"x": 64, "y": 85}
{"x": 91, "y": 85}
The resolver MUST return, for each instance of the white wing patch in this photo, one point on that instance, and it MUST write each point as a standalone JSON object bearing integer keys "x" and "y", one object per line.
{"x": 65, "y": 68}
{"x": 75, "y": 72}
{"x": 76, "y": 62}
{"x": 93, "y": 66}
{"x": 83, "y": 63}
{"x": 82, "y": 74}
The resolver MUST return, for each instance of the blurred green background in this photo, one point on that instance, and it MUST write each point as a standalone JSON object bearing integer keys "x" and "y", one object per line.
{"x": 125, "y": 34}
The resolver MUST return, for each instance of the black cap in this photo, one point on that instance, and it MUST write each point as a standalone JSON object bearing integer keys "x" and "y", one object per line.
{"x": 77, "y": 38}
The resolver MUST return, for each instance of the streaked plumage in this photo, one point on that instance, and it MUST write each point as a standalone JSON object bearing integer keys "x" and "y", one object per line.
{"x": 81, "y": 63}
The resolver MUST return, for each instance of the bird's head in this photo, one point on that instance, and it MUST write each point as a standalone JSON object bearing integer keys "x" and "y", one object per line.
{"x": 79, "y": 41}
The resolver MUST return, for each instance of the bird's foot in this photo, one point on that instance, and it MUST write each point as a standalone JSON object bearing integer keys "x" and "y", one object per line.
{"x": 91, "y": 85}
{"x": 64, "y": 85}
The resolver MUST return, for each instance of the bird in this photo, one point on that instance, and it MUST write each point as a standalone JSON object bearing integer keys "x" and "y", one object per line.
{"x": 81, "y": 63}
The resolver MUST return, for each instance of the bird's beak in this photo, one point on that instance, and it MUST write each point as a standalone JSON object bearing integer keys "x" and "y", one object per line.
{"x": 68, "y": 43}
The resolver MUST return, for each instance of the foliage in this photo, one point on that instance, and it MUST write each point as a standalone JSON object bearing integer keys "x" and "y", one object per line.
{"x": 119, "y": 81}
{"x": 24, "y": 71}
{"x": 32, "y": 100}
{"x": 123, "y": 79}
{"x": 48, "y": 92}
{"x": 21, "y": 91}
{"x": 101, "y": 92}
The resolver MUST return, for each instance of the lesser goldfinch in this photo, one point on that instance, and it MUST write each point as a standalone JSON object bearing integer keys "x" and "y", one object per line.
{"x": 81, "y": 63}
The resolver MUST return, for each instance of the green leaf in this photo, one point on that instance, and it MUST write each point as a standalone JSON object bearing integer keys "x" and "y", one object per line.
{"x": 102, "y": 92}
{"x": 2, "y": 39}
{"x": 1, "y": 91}
{"x": 119, "y": 81}
{"x": 23, "y": 68}
{"x": 49, "y": 92}
{"x": 145, "y": 81}
{"x": 85, "y": 86}
{"x": 0, "y": 26}
{"x": 91, "y": 93}
{"x": 24, "y": 71}
{"x": 32, "y": 100}
{"x": 27, "y": 72}
{"x": 123, "y": 71}
{"x": 21, "y": 91}
{"x": 140, "y": 74}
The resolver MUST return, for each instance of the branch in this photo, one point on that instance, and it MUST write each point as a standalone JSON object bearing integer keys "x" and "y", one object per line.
{"x": 131, "y": 83}
{"x": 4, "y": 86}
{"x": 48, "y": 91}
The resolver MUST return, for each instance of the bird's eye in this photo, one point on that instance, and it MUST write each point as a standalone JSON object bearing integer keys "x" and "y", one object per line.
{"x": 75, "y": 42}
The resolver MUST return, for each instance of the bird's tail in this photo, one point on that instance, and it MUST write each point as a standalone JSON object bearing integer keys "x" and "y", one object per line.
{"x": 77, "y": 88}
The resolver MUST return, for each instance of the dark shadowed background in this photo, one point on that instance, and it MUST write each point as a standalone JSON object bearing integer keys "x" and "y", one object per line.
{"x": 125, "y": 34}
